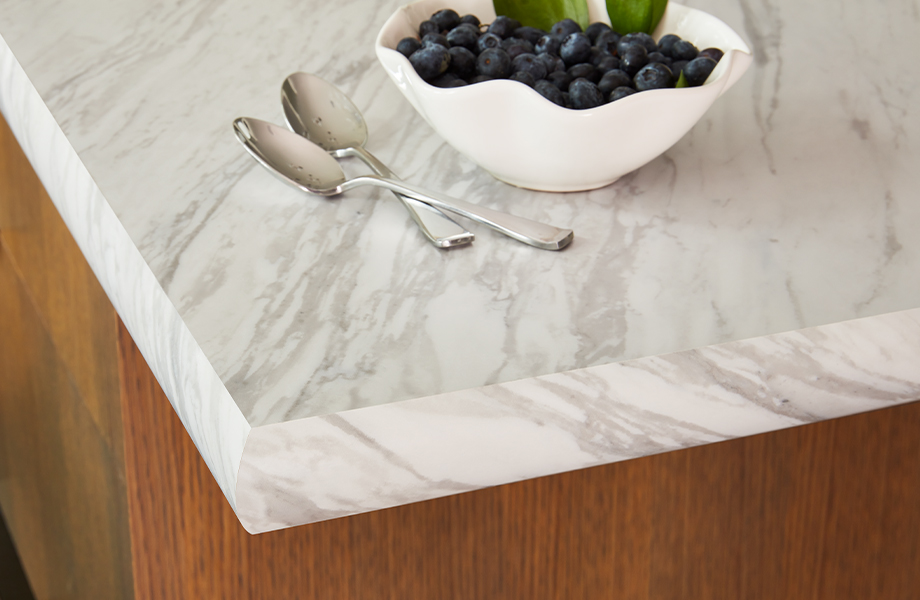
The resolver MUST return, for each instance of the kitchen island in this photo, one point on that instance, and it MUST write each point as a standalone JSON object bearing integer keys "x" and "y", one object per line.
{"x": 326, "y": 361}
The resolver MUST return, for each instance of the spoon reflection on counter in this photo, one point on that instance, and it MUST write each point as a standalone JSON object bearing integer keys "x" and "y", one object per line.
{"x": 299, "y": 162}
{"x": 319, "y": 111}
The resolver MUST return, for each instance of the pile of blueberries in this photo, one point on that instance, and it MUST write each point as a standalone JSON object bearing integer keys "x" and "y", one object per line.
{"x": 572, "y": 67}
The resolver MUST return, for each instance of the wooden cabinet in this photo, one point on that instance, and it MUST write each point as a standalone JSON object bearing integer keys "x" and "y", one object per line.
{"x": 107, "y": 497}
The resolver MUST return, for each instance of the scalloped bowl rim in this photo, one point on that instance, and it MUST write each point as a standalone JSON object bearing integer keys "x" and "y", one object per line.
{"x": 517, "y": 99}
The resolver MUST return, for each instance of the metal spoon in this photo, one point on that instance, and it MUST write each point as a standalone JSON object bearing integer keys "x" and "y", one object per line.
{"x": 317, "y": 110}
{"x": 299, "y": 162}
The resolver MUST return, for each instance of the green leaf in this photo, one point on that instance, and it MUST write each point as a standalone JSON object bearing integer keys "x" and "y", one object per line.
{"x": 681, "y": 81}
{"x": 658, "y": 7}
{"x": 543, "y": 14}
{"x": 630, "y": 16}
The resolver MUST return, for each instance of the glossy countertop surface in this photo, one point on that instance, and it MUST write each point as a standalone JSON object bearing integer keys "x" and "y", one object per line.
{"x": 792, "y": 204}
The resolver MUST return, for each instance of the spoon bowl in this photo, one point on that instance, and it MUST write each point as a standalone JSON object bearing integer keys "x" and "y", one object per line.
{"x": 290, "y": 157}
{"x": 320, "y": 112}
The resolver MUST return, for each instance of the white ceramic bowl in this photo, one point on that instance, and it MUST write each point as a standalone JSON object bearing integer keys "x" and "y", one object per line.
{"x": 523, "y": 139}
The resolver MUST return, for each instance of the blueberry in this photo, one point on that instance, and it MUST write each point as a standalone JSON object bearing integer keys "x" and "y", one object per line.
{"x": 428, "y": 27}
{"x": 647, "y": 41}
{"x": 643, "y": 39}
{"x": 407, "y": 46}
{"x": 585, "y": 71}
{"x": 607, "y": 40}
{"x": 560, "y": 64}
{"x": 597, "y": 57}
{"x": 504, "y": 26}
{"x": 456, "y": 83}
{"x": 515, "y": 47}
{"x": 549, "y": 44}
{"x": 443, "y": 81}
{"x": 698, "y": 69}
{"x": 489, "y": 40}
{"x": 480, "y": 79}
{"x": 654, "y": 76}
{"x": 530, "y": 64}
{"x": 634, "y": 58}
{"x": 511, "y": 41}
{"x": 683, "y": 50}
{"x": 435, "y": 38}
{"x": 549, "y": 61}
{"x": 462, "y": 62}
{"x": 612, "y": 80}
{"x": 576, "y": 48}
{"x": 584, "y": 94}
{"x": 595, "y": 29}
{"x": 531, "y": 34}
{"x": 515, "y": 50}
{"x": 565, "y": 27}
{"x": 524, "y": 77}
{"x": 621, "y": 92}
{"x": 471, "y": 19}
{"x": 430, "y": 61}
{"x": 607, "y": 63}
{"x": 625, "y": 42}
{"x": 494, "y": 62}
{"x": 560, "y": 79}
{"x": 676, "y": 67}
{"x": 713, "y": 53}
{"x": 666, "y": 43}
{"x": 464, "y": 35}
{"x": 550, "y": 92}
{"x": 658, "y": 57}
{"x": 567, "y": 99}
{"x": 446, "y": 19}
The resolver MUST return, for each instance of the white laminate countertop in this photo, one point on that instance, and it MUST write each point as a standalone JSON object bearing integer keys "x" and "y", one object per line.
{"x": 327, "y": 360}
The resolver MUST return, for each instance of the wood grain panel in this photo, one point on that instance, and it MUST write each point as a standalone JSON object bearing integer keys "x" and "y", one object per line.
{"x": 70, "y": 301}
{"x": 60, "y": 489}
{"x": 830, "y": 510}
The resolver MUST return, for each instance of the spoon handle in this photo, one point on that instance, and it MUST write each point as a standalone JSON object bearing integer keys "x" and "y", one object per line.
{"x": 372, "y": 161}
{"x": 523, "y": 230}
{"x": 440, "y": 229}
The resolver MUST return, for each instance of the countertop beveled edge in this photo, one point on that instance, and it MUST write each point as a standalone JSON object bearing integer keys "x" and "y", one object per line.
{"x": 378, "y": 457}
{"x": 211, "y": 417}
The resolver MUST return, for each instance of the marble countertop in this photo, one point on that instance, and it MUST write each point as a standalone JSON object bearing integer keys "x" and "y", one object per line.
{"x": 327, "y": 360}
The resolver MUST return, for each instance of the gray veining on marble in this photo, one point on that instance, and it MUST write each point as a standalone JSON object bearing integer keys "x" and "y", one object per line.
{"x": 792, "y": 204}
